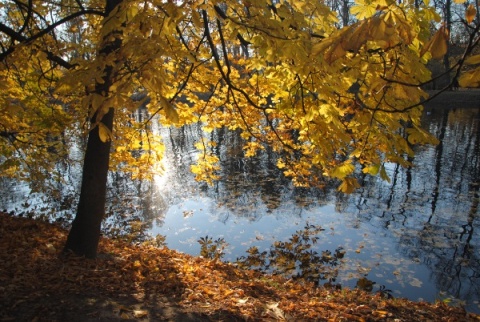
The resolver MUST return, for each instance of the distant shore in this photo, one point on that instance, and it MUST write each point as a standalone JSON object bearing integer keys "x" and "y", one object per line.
{"x": 469, "y": 98}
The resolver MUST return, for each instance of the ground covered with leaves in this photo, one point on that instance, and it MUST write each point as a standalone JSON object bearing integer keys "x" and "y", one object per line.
{"x": 144, "y": 283}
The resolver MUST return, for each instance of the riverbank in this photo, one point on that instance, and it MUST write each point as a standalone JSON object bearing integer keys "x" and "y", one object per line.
{"x": 464, "y": 98}
{"x": 145, "y": 283}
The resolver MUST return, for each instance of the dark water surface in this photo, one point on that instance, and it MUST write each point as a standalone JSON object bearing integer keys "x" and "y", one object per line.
{"x": 417, "y": 236}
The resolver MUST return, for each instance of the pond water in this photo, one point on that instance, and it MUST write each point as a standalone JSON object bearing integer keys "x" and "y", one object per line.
{"x": 417, "y": 236}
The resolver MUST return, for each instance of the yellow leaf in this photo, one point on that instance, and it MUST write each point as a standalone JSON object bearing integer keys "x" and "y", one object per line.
{"x": 470, "y": 78}
{"x": 364, "y": 9}
{"x": 377, "y": 28}
{"x": 140, "y": 313}
{"x": 196, "y": 19}
{"x": 343, "y": 170}
{"x": 459, "y": 1}
{"x": 97, "y": 101}
{"x": 381, "y": 313}
{"x": 170, "y": 111}
{"x": 348, "y": 185}
{"x": 383, "y": 174}
{"x": 335, "y": 52}
{"x": 470, "y": 13}
{"x": 373, "y": 169}
{"x": 320, "y": 47}
{"x": 356, "y": 39}
{"x": 104, "y": 132}
{"x": 440, "y": 46}
{"x": 437, "y": 46}
{"x": 400, "y": 93}
{"x": 418, "y": 135}
{"x": 132, "y": 11}
{"x": 472, "y": 60}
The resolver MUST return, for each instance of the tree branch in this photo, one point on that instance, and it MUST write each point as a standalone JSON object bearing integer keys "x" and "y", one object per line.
{"x": 17, "y": 36}
{"x": 231, "y": 86}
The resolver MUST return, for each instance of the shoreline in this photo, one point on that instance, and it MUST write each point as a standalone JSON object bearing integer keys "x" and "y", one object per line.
{"x": 461, "y": 98}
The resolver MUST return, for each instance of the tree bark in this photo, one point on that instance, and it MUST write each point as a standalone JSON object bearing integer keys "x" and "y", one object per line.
{"x": 448, "y": 24}
{"x": 85, "y": 232}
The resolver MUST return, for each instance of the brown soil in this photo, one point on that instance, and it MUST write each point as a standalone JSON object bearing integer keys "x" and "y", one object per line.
{"x": 144, "y": 283}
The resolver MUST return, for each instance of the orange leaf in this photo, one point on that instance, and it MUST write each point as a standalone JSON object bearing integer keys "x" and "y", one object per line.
{"x": 437, "y": 46}
{"x": 334, "y": 53}
{"x": 470, "y": 13}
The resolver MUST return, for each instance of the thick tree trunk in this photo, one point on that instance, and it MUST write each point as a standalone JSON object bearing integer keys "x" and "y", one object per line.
{"x": 85, "y": 232}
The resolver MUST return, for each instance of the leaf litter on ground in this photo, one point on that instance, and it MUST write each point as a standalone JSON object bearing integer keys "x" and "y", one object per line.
{"x": 145, "y": 283}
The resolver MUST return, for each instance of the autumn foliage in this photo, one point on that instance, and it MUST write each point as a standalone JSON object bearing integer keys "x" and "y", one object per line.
{"x": 333, "y": 102}
{"x": 283, "y": 73}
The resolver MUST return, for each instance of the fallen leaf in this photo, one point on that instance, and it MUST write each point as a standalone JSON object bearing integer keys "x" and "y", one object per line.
{"x": 140, "y": 313}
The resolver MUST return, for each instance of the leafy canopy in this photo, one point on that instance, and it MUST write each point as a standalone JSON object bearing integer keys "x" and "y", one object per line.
{"x": 329, "y": 101}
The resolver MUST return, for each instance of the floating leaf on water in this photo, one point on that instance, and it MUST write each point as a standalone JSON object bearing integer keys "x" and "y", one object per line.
{"x": 187, "y": 213}
{"x": 416, "y": 282}
{"x": 365, "y": 284}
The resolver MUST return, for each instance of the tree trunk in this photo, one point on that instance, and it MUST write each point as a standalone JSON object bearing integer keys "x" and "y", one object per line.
{"x": 448, "y": 24}
{"x": 85, "y": 232}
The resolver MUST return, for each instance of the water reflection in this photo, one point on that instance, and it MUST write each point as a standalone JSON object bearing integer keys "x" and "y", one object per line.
{"x": 297, "y": 258}
{"x": 417, "y": 236}
{"x": 432, "y": 209}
